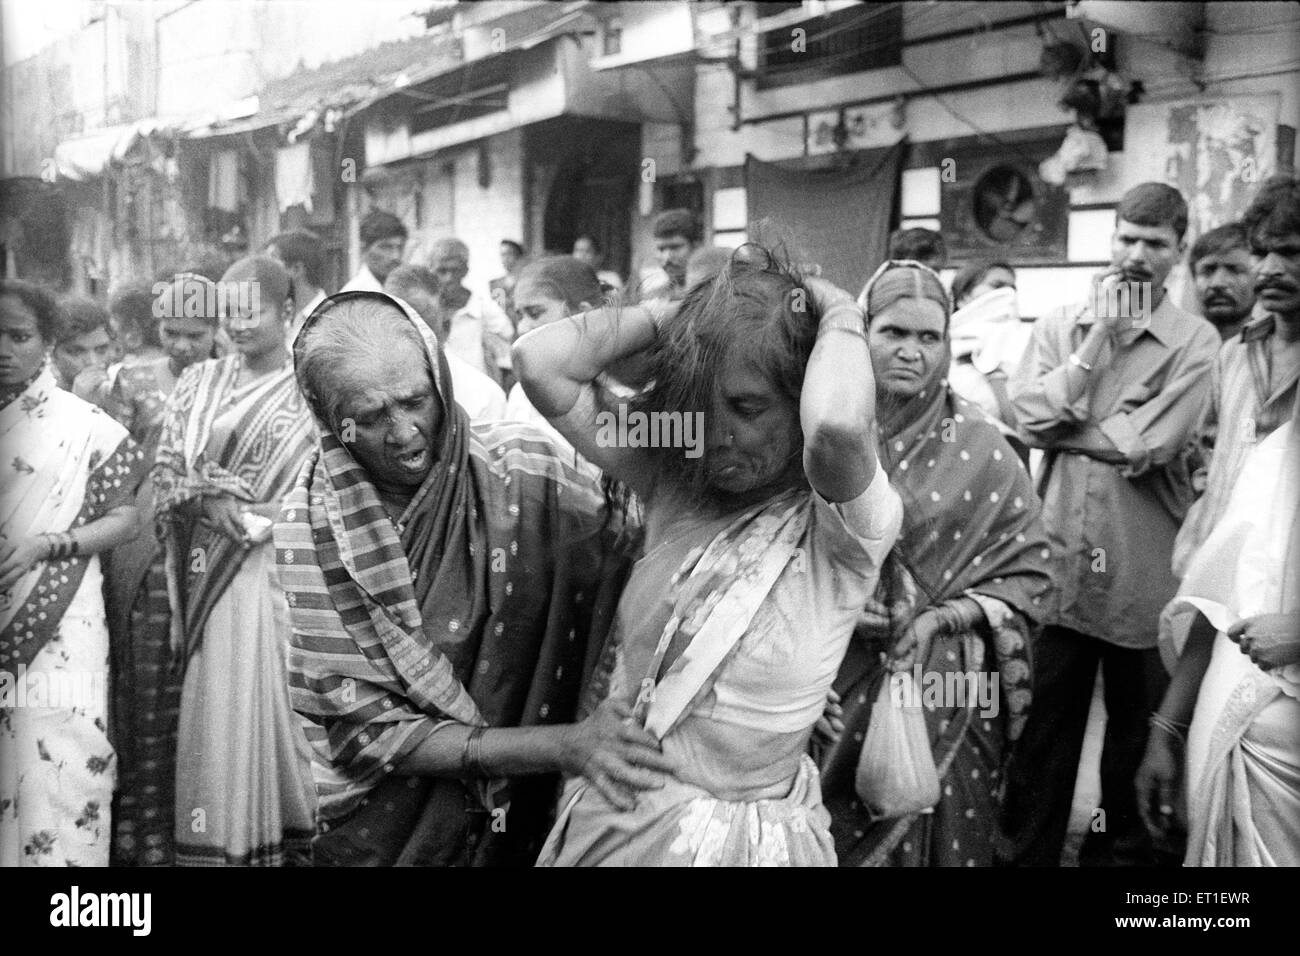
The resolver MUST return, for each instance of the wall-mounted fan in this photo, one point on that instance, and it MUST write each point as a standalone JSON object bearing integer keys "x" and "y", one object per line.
{"x": 1004, "y": 204}
{"x": 1000, "y": 205}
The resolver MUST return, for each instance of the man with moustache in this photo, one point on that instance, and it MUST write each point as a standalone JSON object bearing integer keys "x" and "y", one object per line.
{"x": 1253, "y": 384}
{"x": 1111, "y": 390}
{"x": 1221, "y": 268}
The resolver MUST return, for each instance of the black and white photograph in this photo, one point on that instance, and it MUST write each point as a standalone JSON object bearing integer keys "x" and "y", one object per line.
{"x": 658, "y": 434}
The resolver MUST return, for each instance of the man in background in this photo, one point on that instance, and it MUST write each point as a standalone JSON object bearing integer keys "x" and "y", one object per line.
{"x": 480, "y": 396}
{"x": 1221, "y": 268}
{"x": 1253, "y": 382}
{"x": 302, "y": 254}
{"x": 676, "y": 232}
{"x": 923, "y": 245}
{"x": 383, "y": 243}
{"x": 476, "y": 326}
{"x": 1111, "y": 389}
{"x": 502, "y": 288}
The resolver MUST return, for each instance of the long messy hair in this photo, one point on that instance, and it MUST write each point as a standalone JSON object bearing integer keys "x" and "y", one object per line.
{"x": 755, "y": 311}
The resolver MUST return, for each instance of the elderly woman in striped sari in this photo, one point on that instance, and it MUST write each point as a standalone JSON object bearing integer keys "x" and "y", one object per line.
{"x": 234, "y": 436}
{"x": 443, "y": 580}
{"x": 767, "y": 517}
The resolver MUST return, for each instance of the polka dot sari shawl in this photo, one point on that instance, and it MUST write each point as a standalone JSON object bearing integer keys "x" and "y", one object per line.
{"x": 473, "y": 607}
{"x": 971, "y": 527}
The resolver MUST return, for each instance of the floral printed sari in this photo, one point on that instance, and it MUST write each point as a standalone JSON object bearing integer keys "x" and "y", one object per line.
{"x": 66, "y": 464}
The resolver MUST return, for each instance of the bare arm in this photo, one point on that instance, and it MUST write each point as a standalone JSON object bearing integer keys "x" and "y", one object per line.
{"x": 117, "y": 526}
{"x": 1161, "y": 803}
{"x": 558, "y": 365}
{"x": 837, "y": 407}
{"x": 614, "y": 754}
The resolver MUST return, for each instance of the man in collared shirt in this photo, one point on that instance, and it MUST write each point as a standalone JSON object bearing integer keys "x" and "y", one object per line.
{"x": 383, "y": 243}
{"x": 1111, "y": 390}
{"x": 677, "y": 233}
{"x": 478, "y": 331}
{"x": 302, "y": 254}
{"x": 1253, "y": 384}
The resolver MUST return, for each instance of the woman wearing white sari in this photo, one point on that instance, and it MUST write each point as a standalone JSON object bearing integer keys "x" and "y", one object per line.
{"x": 68, "y": 475}
{"x": 1243, "y": 751}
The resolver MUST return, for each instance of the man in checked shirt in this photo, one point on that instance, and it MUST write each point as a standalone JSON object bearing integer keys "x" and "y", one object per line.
{"x": 1111, "y": 389}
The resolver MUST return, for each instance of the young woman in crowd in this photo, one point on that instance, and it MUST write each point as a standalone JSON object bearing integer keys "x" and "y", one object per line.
{"x": 69, "y": 479}
{"x": 147, "y": 687}
{"x": 234, "y": 435}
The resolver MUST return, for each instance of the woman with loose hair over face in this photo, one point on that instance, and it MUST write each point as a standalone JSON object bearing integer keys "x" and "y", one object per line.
{"x": 767, "y": 517}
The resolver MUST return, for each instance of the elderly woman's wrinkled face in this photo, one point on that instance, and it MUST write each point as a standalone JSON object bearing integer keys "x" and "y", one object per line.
{"x": 907, "y": 346}
{"x": 391, "y": 419}
{"x": 22, "y": 350}
{"x": 753, "y": 438}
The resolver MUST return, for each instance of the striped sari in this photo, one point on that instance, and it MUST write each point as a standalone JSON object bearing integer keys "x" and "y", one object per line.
{"x": 243, "y": 794}
{"x": 474, "y": 607}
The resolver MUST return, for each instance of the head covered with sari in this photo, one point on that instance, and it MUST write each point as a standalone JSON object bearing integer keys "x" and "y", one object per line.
{"x": 473, "y": 607}
{"x": 970, "y": 515}
{"x": 971, "y": 529}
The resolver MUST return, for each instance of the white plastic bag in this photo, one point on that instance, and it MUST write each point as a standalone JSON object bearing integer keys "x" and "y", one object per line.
{"x": 896, "y": 773}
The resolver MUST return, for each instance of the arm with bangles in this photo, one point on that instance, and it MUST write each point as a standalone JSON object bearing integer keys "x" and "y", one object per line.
{"x": 1160, "y": 796}
{"x": 117, "y": 526}
{"x": 837, "y": 405}
{"x": 609, "y": 749}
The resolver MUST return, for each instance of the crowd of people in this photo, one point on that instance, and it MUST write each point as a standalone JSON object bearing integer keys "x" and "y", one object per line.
{"x": 370, "y": 578}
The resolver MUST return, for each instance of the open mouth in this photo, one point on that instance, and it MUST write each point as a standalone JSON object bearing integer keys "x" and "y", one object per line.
{"x": 413, "y": 460}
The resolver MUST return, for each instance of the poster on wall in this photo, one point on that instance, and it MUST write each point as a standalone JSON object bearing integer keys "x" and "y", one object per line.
{"x": 1216, "y": 152}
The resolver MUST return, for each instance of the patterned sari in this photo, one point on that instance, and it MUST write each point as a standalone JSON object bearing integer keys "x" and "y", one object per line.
{"x": 243, "y": 793}
{"x": 475, "y": 607}
{"x": 729, "y": 635}
{"x": 146, "y": 688}
{"x": 66, "y": 464}
{"x": 971, "y": 528}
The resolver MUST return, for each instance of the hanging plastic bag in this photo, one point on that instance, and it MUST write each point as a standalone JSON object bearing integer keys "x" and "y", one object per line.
{"x": 896, "y": 772}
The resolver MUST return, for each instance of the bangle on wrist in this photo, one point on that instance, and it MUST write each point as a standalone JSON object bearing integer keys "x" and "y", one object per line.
{"x": 474, "y": 752}
{"x": 1169, "y": 726}
{"x": 1079, "y": 363}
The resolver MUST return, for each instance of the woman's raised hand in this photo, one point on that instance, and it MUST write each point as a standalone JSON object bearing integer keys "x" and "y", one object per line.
{"x": 825, "y": 294}
{"x": 616, "y": 756}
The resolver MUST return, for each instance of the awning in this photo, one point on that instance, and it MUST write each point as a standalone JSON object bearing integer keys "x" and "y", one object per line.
{"x": 87, "y": 156}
